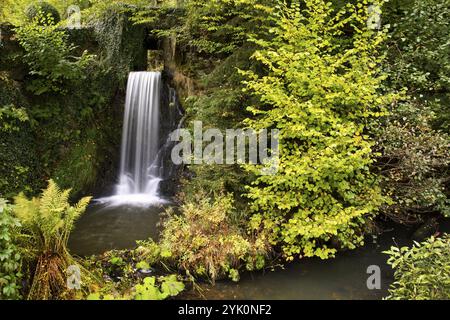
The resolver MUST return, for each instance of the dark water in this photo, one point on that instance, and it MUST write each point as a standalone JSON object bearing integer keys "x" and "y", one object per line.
{"x": 103, "y": 228}
{"x": 344, "y": 277}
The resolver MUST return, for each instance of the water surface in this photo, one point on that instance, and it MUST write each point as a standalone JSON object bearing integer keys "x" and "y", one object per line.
{"x": 103, "y": 228}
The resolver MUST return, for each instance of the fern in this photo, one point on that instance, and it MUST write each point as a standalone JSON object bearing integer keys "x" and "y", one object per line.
{"x": 48, "y": 220}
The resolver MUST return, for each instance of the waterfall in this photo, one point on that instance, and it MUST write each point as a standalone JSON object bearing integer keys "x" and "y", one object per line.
{"x": 140, "y": 136}
{"x": 140, "y": 165}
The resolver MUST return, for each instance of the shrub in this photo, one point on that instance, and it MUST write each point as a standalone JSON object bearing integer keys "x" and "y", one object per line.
{"x": 202, "y": 241}
{"x": 419, "y": 58}
{"x": 10, "y": 257}
{"x": 50, "y": 57}
{"x": 151, "y": 288}
{"x": 422, "y": 272}
{"x": 414, "y": 163}
{"x": 319, "y": 89}
{"x": 45, "y": 9}
{"x": 412, "y": 139}
{"x": 47, "y": 222}
{"x": 125, "y": 274}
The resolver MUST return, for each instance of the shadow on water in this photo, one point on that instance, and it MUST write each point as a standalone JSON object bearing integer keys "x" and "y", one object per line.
{"x": 103, "y": 228}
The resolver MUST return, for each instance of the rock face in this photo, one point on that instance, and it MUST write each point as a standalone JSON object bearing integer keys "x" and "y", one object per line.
{"x": 120, "y": 42}
{"x": 120, "y": 47}
{"x": 171, "y": 117}
{"x": 92, "y": 146}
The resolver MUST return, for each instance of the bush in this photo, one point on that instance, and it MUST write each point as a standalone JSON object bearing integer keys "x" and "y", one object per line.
{"x": 45, "y": 9}
{"x": 125, "y": 274}
{"x": 10, "y": 257}
{"x": 422, "y": 272}
{"x": 202, "y": 241}
{"x": 414, "y": 138}
{"x": 151, "y": 288}
{"x": 18, "y": 167}
{"x": 319, "y": 89}
{"x": 415, "y": 164}
{"x": 419, "y": 58}
{"x": 50, "y": 57}
{"x": 47, "y": 221}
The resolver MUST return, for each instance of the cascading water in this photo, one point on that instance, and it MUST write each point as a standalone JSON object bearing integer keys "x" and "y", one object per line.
{"x": 140, "y": 166}
{"x": 147, "y": 176}
{"x": 140, "y": 137}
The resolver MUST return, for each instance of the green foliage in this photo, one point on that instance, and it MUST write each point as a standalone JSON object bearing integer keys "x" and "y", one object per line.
{"x": 419, "y": 54}
{"x": 48, "y": 221}
{"x": 17, "y": 172}
{"x": 10, "y": 257}
{"x": 9, "y": 116}
{"x": 98, "y": 8}
{"x": 17, "y": 158}
{"x": 13, "y": 11}
{"x": 16, "y": 11}
{"x": 220, "y": 27}
{"x": 422, "y": 272}
{"x": 14, "y": 174}
{"x": 150, "y": 288}
{"x": 415, "y": 164}
{"x": 213, "y": 39}
{"x": 81, "y": 161}
{"x": 412, "y": 140}
{"x": 148, "y": 253}
{"x": 49, "y": 56}
{"x": 202, "y": 241}
{"x": 42, "y": 8}
{"x": 124, "y": 270}
{"x": 123, "y": 267}
{"x": 319, "y": 90}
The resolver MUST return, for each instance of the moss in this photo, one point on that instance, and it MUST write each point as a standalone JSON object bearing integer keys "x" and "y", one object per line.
{"x": 78, "y": 170}
{"x": 18, "y": 170}
{"x": 121, "y": 42}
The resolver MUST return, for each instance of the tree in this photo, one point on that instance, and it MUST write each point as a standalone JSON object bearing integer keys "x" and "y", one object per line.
{"x": 320, "y": 88}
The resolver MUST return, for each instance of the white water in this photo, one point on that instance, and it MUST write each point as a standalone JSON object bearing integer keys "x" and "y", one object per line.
{"x": 140, "y": 170}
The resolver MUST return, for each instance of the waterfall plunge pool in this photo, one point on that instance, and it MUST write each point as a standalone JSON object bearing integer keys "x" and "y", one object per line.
{"x": 105, "y": 227}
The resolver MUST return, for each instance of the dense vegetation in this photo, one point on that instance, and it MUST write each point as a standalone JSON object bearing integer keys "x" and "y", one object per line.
{"x": 321, "y": 92}
{"x": 421, "y": 272}
{"x": 362, "y": 114}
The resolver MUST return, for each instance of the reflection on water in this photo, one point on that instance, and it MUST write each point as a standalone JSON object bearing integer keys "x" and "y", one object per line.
{"x": 103, "y": 228}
